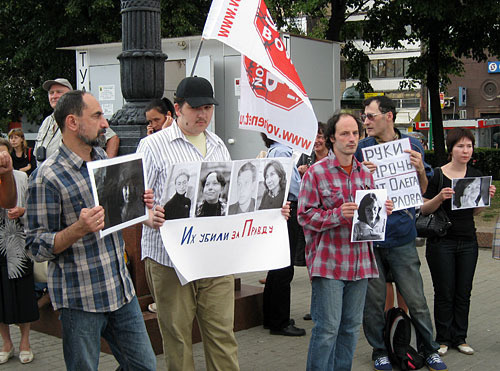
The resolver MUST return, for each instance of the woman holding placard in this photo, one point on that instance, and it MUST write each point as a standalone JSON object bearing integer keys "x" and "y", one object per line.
{"x": 452, "y": 259}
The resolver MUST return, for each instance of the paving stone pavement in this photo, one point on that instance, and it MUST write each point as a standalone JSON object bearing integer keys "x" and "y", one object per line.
{"x": 260, "y": 351}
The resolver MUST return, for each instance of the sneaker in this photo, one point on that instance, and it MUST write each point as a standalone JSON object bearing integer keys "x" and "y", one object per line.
{"x": 382, "y": 363}
{"x": 435, "y": 363}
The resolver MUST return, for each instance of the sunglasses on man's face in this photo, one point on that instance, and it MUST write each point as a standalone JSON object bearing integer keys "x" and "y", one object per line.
{"x": 370, "y": 116}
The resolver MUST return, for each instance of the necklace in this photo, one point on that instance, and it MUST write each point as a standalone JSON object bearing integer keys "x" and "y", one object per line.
{"x": 274, "y": 194}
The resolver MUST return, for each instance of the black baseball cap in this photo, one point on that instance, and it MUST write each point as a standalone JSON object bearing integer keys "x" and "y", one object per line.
{"x": 197, "y": 91}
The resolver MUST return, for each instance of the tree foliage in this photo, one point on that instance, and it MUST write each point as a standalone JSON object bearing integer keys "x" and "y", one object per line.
{"x": 30, "y": 35}
{"x": 447, "y": 30}
{"x": 33, "y": 30}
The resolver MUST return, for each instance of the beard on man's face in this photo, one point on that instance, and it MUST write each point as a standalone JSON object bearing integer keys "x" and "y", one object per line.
{"x": 92, "y": 142}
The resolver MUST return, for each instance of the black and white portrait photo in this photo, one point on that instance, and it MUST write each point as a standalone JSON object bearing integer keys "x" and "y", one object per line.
{"x": 214, "y": 185}
{"x": 370, "y": 219}
{"x": 273, "y": 185}
{"x": 243, "y": 191}
{"x": 181, "y": 190}
{"x": 470, "y": 192}
{"x": 118, "y": 185}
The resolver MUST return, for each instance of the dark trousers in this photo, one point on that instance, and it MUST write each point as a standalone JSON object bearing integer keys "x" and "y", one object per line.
{"x": 277, "y": 290}
{"x": 452, "y": 265}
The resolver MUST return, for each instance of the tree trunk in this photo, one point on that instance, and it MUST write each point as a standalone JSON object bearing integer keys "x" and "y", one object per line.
{"x": 336, "y": 21}
{"x": 435, "y": 105}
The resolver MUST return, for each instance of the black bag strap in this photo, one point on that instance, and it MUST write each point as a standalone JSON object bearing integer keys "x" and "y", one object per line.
{"x": 438, "y": 169}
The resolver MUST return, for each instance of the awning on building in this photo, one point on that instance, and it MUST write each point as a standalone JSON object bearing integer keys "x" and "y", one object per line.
{"x": 406, "y": 116}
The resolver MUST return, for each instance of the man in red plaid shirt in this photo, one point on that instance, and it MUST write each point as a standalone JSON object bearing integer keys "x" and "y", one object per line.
{"x": 339, "y": 269}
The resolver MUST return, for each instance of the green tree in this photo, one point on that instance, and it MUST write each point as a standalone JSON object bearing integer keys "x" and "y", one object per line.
{"x": 447, "y": 30}
{"x": 31, "y": 32}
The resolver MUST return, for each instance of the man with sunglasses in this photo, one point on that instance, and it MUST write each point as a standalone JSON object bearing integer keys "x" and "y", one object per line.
{"x": 397, "y": 253}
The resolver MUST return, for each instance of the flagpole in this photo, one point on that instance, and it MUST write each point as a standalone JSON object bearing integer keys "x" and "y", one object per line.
{"x": 197, "y": 56}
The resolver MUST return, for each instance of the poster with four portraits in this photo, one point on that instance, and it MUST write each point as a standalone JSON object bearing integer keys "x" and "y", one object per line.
{"x": 205, "y": 189}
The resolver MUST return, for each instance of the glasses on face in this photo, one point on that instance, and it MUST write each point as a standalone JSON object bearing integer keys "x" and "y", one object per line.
{"x": 370, "y": 116}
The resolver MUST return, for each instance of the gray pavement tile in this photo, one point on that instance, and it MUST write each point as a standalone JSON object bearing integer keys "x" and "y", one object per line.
{"x": 258, "y": 350}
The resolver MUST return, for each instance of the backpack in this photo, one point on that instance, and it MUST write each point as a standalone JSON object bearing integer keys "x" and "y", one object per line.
{"x": 401, "y": 340}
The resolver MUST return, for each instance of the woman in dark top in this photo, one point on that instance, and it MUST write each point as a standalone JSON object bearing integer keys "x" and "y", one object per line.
{"x": 22, "y": 156}
{"x": 275, "y": 184}
{"x": 213, "y": 185}
{"x": 179, "y": 205}
{"x": 452, "y": 259}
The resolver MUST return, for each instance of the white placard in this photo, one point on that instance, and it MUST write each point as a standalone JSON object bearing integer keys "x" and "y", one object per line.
{"x": 208, "y": 247}
{"x": 395, "y": 173}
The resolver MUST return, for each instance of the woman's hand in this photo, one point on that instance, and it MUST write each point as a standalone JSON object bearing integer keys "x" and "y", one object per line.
{"x": 16, "y": 212}
{"x": 446, "y": 193}
{"x": 492, "y": 190}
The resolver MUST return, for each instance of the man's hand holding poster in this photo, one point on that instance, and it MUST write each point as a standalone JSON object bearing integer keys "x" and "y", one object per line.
{"x": 395, "y": 173}
{"x": 225, "y": 217}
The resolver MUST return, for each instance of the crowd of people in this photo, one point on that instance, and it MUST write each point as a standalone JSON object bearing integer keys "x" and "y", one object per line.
{"x": 47, "y": 213}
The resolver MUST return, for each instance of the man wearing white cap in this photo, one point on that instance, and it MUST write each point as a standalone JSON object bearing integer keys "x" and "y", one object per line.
{"x": 49, "y": 136}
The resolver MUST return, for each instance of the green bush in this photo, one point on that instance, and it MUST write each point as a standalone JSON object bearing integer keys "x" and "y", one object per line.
{"x": 485, "y": 159}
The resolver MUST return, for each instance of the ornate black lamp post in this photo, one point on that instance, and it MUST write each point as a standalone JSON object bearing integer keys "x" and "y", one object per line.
{"x": 141, "y": 69}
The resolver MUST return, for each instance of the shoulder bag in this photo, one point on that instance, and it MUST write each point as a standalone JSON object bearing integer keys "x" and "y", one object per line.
{"x": 435, "y": 224}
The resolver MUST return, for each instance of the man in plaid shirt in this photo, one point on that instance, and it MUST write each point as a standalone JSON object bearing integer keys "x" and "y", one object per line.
{"x": 339, "y": 269}
{"x": 88, "y": 280}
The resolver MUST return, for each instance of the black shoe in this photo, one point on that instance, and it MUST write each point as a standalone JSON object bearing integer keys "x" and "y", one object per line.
{"x": 291, "y": 322}
{"x": 290, "y": 330}
{"x": 307, "y": 317}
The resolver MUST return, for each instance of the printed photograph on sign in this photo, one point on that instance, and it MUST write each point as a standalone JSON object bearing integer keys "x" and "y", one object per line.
{"x": 118, "y": 185}
{"x": 273, "y": 183}
{"x": 213, "y": 189}
{"x": 243, "y": 190}
{"x": 470, "y": 192}
{"x": 180, "y": 194}
{"x": 370, "y": 219}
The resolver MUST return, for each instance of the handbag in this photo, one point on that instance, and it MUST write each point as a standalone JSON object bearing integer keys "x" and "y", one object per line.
{"x": 435, "y": 224}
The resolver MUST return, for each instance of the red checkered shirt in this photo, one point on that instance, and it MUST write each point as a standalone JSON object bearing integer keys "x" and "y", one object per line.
{"x": 329, "y": 252}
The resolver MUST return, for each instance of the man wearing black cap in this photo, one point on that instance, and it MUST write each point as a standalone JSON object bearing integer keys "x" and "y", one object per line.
{"x": 49, "y": 136}
{"x": 210, "y": 300}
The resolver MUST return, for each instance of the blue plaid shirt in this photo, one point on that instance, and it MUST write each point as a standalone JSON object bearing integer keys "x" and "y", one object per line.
{"x": 91, "y": 274}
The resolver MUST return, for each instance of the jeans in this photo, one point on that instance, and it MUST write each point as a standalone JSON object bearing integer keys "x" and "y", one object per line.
{"x": 277, "y": 291}
{"x": 404, "y": 265}
{"x": 337, "y": 312}
{"x": 123, "y": 329}
{"x": 452, "y": 265}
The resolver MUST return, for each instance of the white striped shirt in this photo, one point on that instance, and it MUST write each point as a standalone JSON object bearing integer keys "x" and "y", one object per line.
{"x": 162, "y": 149}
